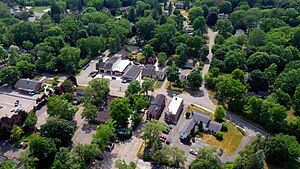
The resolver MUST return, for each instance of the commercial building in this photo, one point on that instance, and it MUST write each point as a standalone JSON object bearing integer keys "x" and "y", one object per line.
{"x": 174, "y": 110}
{"x": 156, "y": 108}
{"x": 114, "y": 65}
{"x": 28, "y": 85}
{"x": 131, "y": 73}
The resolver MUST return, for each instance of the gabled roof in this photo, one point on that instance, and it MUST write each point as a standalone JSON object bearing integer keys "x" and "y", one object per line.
{"x": 162, "y": 71}
{"x": 80, "y": 92}
{"x": 132, "y": 72}
{"x": 215, "y": 126}
{"x": 159, "y": 99}
{"x": 27, "y": 84}
{"x": 149, "y": 70}
{"x": 201, "y": 116}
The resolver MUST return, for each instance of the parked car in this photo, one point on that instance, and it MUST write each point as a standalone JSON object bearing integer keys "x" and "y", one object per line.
{"x": 17, "y": 103}
{"x": 1, "y": 106}
{"x": 94, "y": 74}
{"x": 163, "y": 138}
{"x": 86, "y": 66}
{"x": 194, "y": 152}
{"x": 113, "y": 78}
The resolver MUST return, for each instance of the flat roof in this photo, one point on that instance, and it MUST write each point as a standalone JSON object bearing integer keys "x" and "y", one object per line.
{"x": 175, "y": 105}
{"x": 121, "y": 66}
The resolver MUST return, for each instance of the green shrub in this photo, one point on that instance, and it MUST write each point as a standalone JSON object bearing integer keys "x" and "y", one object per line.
{"x": 187, "y": 114}
{"x": 219, "y": 135}
{"x": 224, "y": 127}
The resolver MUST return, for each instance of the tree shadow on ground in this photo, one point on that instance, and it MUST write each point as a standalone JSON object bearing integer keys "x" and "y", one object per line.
{"x": 88, "y": 128}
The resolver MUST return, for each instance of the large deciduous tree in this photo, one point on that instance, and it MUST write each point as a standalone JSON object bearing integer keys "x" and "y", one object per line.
{"x": 97, "y": 91}
{"x": 103, "y": 135}
{"x": 147, "y": 85}
{"x": 206, "y": 159}
{"x": 90, "y": 112}
{"x": 219, "y": 113}
{"x": 282, "y": 150}
{"x": 9, "y": 75}
{"x": 43, "y": 149}
{"x": 120, "y": 111}
{"x": 231, "y": 89}
{"x": 173, "y": 73}
{"x": 194, "y": 79}
{"x": 151, "y": 132}
{"x": 59, "y": 130}
{"x": 145, "y": 27}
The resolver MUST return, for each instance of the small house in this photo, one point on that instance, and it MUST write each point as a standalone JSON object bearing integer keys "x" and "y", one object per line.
{"x": 149, "y": 71}
{"x": 161, "y": 74}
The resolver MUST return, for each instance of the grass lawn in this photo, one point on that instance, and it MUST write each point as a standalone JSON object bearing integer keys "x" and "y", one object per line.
{"x": 40, "y": 8}
{"x": 158, "y": 84}
{"x": 140, "y": 153}
{"x": 25, "y": 137}
{"x": 290, "y": 115}
{"x": 194, "y": 107}
{"x": 184, "y": 13}
{"x": 169, "y": 86}
{"x": 231, "y": 139}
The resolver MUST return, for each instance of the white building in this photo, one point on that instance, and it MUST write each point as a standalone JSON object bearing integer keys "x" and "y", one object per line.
{"x": 174, "y": 110}
{"x": 120, "y": 67}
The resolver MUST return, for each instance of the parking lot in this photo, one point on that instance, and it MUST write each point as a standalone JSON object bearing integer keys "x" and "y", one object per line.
{"x": 174, "y": 134}
{"x": 8, "y": 98}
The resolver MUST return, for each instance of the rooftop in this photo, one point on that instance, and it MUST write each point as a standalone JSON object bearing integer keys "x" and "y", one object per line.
{"x": 149, "y": 70}
{"x": 27, "y": 84}
{"x": 200, "y": 116}
{"x": 159, "y": 99}
{"x": 175, "y": 105}
{"x": 132, "y": 72}
{"x": 215, "y": 126}
{"x": 121, "y": 66}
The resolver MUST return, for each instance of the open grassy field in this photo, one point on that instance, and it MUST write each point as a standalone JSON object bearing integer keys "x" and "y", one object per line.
{"x": 40, "y": 8}
{"x": 231, "y": 139}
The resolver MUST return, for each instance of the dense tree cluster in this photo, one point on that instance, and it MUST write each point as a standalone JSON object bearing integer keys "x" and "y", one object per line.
{"x": 255, "y": 65}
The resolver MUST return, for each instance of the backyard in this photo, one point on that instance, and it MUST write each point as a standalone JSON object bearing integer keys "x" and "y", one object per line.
{"x": 40, "y": 9}
{"x": 231, "y": 139}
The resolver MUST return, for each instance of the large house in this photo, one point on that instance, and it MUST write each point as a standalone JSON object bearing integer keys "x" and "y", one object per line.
{"x": 156, "y": 108}
{"x": 207, "y": 124}
{"x": 174, "y": 110}
{"x": 28, "y": 85}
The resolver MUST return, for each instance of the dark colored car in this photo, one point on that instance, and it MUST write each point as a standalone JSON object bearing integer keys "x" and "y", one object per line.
{"x": 17, "y": 103}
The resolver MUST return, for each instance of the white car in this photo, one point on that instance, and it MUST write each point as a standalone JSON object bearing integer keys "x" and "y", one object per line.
{"x": 194, "y": 152}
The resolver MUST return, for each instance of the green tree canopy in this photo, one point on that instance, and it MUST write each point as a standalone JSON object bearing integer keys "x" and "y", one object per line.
{"x": 120, "y": 111}
{"x": 97, "y": 91}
